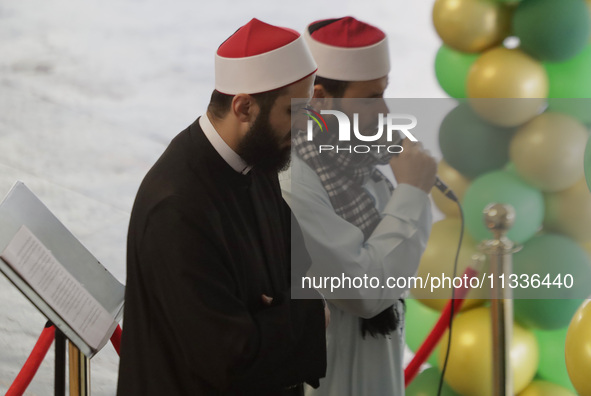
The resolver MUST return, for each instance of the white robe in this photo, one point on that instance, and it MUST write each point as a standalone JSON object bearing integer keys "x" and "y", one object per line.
{"x": 358, "y": 366}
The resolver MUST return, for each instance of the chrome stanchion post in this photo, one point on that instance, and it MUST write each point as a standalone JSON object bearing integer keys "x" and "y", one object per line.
{"x": 79, "y": 372}
{"x": 499, "y": 219}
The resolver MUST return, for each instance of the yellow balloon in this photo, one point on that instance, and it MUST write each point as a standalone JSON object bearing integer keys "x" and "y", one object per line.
{"x": 469, "y": 368}
{"x": 471, "y": 25}
{"x": 438, "y": 259}
{"x": 569, "y": 211}
{"x": 545, "y": 388}
{"x": 587, "y": 246}
{"x": 454, "y": 180}
{"x": 507, "y": 73}
{"x": 507, "y": 87}
{"x": 578, "y": 349}
{"x": 548, "y": 152}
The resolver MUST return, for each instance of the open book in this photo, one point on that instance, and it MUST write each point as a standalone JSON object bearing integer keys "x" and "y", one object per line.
{"x": 60, "y": 290}
{"x": 52, "y": 269}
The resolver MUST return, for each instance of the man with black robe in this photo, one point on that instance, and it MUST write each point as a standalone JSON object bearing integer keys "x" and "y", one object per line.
{"x": 208, "y": 308}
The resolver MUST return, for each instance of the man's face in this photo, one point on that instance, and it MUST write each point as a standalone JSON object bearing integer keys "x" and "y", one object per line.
{"x": 267, "y": 144}
{"x": 368, "y": 110}
{"x": 363, "y": 102}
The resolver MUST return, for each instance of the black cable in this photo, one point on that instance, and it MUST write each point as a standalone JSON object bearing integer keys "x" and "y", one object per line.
{"x": 453, "y": 294}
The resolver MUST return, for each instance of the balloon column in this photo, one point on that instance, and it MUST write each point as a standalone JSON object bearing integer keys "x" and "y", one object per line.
{"x": 521, "y": 72}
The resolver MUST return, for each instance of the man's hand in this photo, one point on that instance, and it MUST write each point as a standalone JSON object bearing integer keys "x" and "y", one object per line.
{"x": 267, "y": 300}
{"x": 414, "y": 166}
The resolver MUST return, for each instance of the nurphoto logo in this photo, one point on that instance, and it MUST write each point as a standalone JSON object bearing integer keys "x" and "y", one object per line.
{"x": 386, "y": 129}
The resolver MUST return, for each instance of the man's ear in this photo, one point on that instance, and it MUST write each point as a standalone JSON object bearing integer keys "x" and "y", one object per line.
{"x": 321, "y": 99}
{"x": 244, "y": 108}
{"x": 320, "y": 92}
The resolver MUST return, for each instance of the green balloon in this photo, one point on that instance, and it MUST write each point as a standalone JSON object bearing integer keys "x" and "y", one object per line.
{"x": 553, "y": 259}
{"x": 471, "y": 145}
{"x": 505, "y": 188}
{"x": 419, "y": 320}
{"x": 570, "y": 79}
{"x": 545, "y": 314}
{"x": 587, "y": 163}
{"x": 578, "y": 108}
{"x": 451, "y": 70}
{"x": 552, "y": 30}
{"x": 427, "y": 384}
{"x": 552, "y": 366}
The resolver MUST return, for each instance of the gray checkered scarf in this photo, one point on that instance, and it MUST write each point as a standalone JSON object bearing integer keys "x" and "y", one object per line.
{"x": 343, "y": 175}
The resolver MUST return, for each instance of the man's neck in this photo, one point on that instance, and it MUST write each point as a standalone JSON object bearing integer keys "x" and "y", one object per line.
{"x": 215, "y": 135}
{"x": 225, "y": 129}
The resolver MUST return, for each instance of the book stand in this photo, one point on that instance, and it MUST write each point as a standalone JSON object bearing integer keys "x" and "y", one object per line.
{"x": 22, "y": 208}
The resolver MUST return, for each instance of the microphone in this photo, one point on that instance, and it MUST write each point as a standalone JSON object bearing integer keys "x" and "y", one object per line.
{"x": 441, "y": 186}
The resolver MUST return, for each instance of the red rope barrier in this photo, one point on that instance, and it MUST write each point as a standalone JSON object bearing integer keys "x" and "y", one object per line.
{"x": 25, "y": 376}
{"x": 116, "y": 339}
{"x": 436, "y": 333}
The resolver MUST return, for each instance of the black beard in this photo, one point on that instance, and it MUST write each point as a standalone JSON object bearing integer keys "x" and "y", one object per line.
{"x": 261, "y": 146}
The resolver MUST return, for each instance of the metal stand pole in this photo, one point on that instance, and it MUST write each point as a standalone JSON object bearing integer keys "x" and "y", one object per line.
{"x": 499, "y": 219}
{"x": 79, "y": 372}
{"x": 59, "y": 379}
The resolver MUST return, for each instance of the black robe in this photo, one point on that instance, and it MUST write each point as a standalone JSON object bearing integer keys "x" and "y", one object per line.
{"x": 204, "y": 243}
